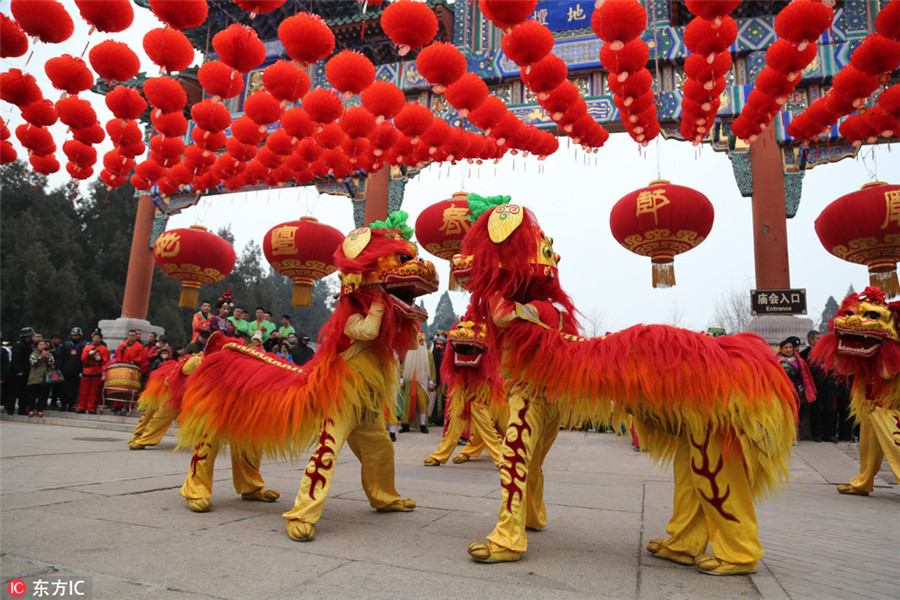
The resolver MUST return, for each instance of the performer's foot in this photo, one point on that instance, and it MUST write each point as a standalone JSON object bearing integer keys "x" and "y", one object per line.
{"x": 849, "y": 489}
{"x": 404, "y": 428}
{"x": 460, "y": 458}
{"x": 135, "y": 446}
{"x": 301, "y": 531}
{"x": 710, "y": 565}
{"x": 402, "y": 505}
{"x": 262, "y": 495}
{"x": 657, "y": 547}
{"x": 492, "y": 553}
{"x": 432, "y": 462}
{"x": 393, "y": 436}
{"x": 200, "y": 504}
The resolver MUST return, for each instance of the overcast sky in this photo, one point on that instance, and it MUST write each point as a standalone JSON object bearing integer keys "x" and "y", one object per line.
{"x": 572, "y": 194}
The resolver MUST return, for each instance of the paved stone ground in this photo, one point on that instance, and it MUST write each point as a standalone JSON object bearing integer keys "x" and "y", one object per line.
{"x": 75, "y": 501}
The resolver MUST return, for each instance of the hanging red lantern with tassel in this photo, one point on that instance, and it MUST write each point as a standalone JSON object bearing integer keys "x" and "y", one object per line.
{"x": 349, "y": 72}
{"x": 660, "y": 221}
{"x": 617, "y": 22}
{"x": 239, "y": 47}
{"x": 413, "y": 119}
{"x": 13, "y": 41}
{"x": 441, "y": 64}
{"x": 108, "y": 16}
{"x": 183, "y": 14}
{"x": 69, "y": 74}
{"x": 304, "y": 251}
{"x": 195, "y": 257}
{"x": 323, "y": 106}
{"x": 168, "y": 48}
{"x": 409, "y": 24}
{"x": 114, "y": 61}
{"x": 801, "y": 22}
{"x": 48, "y": 20}
{"x": 383, "y": 99}
{"x": 306, "y": 38}
{"x": 219, "y": 80}
{"x": 441, "y": 227}
{"x": 864, "y": 227}
{"x": 41, "y": 113}
{"x": 528, "y": 43}
{"x": 19, "y": 88}
{"x": 285, "y": 81}
{"x": 467, "y": 93}
{"x": 505, "y": 14}
{"x": 125, "y": 102}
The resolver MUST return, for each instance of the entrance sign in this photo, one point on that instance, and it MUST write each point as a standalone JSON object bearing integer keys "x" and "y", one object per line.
{"x": 778, "y": 302}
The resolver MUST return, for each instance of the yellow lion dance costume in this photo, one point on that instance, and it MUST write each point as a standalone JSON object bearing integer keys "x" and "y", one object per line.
{"x": 866, "y": 345}
{"x": 260, "y": 404}
{"x": 720, "y": 409}
{"x": 474, "y": 394}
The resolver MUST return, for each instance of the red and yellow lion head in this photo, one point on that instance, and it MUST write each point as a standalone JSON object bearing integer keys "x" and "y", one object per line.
{"x": 866, "y": 341}
{"x": 469, "y": 361}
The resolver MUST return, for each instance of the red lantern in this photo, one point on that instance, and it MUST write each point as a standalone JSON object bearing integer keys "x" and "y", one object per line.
{"x": 440, "y": 228}
{"x": 853, "y": 85}
{"x": 75, "y": 112}
{"x": 108, "y": 16}
{"x": 44, "y": 164}
{"x": 323, "y": 105}
{"x": 163, "y": 93}
{"x": 219, "y": 80}
{"x": 489, "y": 114}
{"x": 876, "y": 55}
{"x": 413, "y": 119}
{"x": 48, "y": 20}
{"x": 114, "y": 61}
{"x": 7, "y": 152}
{"x": 239, "y": 47}
{"x": 19, "y": 88}
{"x": 125, "y": 102}
{"x": 711, "y": 9}
{"x": 13, "y": 41}
{"x": 123, "y": 132}
{"x": 706, "y": 39}
{"x": 441, "y": 64}
{"x": 195, "y": 257}
{"x": 888, "y": 21}
{"x": 349, "y": 72}
{"x": 172, "y": 124}
{"x": 37, "y": 139}
{"x": 864, "y": 227}
{"x": 467, "y": 93}
{"x": 545, "y": 75}
{"x": 183, "y": 14}
{"x": 306, "y": 38}
{"x": 660, "y": 221}
{"x": 357, "y": 122}
{"x": 211, "y": 116}
{"x": 295, "y": 121}
{"x": 528, "y": 43}
{"x": 41, "y": 113}
{"x": 383, "y": 99}
{"x": 304, "y": 251}
{"x": 507, "y": 13}
{"x": 619, "y": 21}
{"x": 803, "y": 21}
{"x": 262, "y": 107}
{"x": 168, "y": 48}
{"x": 69, "y": 74}
{"x": 258, "y": 7}
{"x": 409, "y": 24}
{"x": 89, "y": 135}
{"x": 80, "y": 154}
{"x": 285, "y": 81}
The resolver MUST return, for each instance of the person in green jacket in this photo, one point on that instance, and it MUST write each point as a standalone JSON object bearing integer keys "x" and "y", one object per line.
{"x": 42, "y": 362}
{"x": 262, "y": 324}
{"x": 241, "y": 325}
{"x": 286, "y": 329}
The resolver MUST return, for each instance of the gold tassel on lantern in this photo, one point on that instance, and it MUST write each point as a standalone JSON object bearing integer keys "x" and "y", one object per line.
{"x": 883, "y": 275}
{"x": 302, "y": 295}
{"x": 190, "y": 294}
{"x": 663, "y": 271}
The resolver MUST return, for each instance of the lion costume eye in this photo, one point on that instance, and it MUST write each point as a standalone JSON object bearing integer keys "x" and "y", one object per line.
{"x": 873, "y": 315}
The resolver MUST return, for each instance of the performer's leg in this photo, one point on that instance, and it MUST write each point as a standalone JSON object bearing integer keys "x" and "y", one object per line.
{"x": 484, "y": 430}
{"x": 472, "y": 449}
{"x": 508, "y": 538}
{"x": 721, "y": 480}
{"x": 375, "y": 452}
{"x": 886, "y": 426}
{"x": 156, "y": 428}
{"x": 141, "y": 426}
{"x": 317, "y": 479}
{"x": 536, "y": 515}
{"x": 95, "y": 393}
{"x": 406, "y": 400}
{"x": 870, "y": 457}
{"x": 197, "y": 487}
{"x": 687, "y": 527}
{"x": 248, "y": 482}
{"x": 448, "y": 442}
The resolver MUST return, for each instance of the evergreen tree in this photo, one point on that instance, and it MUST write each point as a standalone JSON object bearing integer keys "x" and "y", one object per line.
{"x": 444, "y": 317}
{"x": 831, "y": 307}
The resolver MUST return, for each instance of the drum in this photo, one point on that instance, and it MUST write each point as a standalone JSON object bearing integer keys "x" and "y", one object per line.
{"x": 123, "y": 381}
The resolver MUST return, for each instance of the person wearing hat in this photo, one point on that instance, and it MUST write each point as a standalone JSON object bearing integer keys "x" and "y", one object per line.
{"x": 19, "y": 368}
{"x": 94, "y": 357}
{"x": 801, "y": 377}
{"x": 68, "y": 361}
{"x": 220, "y": 321}
{"x": 301, "y": 352}
{"x": 256, "y": 340}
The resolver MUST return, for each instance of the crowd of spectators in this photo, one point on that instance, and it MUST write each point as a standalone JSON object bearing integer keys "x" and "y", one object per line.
{"x": 37, "y": 373}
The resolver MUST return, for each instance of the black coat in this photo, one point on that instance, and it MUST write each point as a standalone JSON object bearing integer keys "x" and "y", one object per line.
{"x": 21, "y": 351}
{"x": 68, "y": 358}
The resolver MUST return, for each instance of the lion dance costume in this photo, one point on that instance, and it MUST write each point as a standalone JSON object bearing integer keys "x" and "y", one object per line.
{"x": 865, "y": 344}
{"x": 720, "y": 408}
{"x": 260, "y": 404}
{"x": 474, "y": 393}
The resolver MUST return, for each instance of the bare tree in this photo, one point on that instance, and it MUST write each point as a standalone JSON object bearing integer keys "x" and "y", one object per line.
{"x": 592, "y": 324}
{"x": 732, "y": 310}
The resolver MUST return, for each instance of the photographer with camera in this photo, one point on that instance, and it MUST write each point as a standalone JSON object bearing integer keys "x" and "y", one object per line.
{"x": 94, "y": 358}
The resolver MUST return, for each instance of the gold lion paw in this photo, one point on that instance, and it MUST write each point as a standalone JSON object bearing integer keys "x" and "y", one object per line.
{"x": 301, "y": 531}
{"x": 200, "y": 504}
{"x": 491, "y": 553}
{"x": 262, "y": 495}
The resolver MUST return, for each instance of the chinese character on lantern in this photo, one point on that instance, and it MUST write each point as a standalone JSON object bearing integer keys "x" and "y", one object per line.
{"x": 651, "y": 201}
{"x": 282, "y": 240}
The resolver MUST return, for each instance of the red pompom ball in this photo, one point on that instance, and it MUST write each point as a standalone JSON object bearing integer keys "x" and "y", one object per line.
{"x": 219, "y": 80}
{"x": 409, "y": 24}
{"x": 109, "y": 16}
{"x": 285, "y": 81}
{"x": 527, "y": 43}
{"x": 262, "y": 107}
{"x": 349, "y": 72}
{"x": 165, "y": 94}
{"x": 114, "y": 61}
{"x": 125, "y": 102}
{"x": 507, "y": 13}
{"x": 47, "y": 20}
{"x": 169, "y": 48}
{"x": 239, "y": 47}
{"x": 441, "y": 64}
{"x": 306, "y": 38}
{"x": 183, "y": 14}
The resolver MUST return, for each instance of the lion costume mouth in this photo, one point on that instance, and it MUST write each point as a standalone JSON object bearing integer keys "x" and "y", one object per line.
{"x": 408, "y": 281}
{"x": 467, "y": 353}
{"x": 855, "y": 343}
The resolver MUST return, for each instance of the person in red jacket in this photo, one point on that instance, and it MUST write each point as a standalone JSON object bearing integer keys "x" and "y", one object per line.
{"x": 201, "y": 318}
{"x": 130, "y": 351}
{"x": 94, "y": 357}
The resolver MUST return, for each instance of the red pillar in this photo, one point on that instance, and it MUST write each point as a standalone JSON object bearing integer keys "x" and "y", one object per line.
{"x": 377, "y": 196}
{"x": 140, "y": 263}
{"x": 770, "y": 247}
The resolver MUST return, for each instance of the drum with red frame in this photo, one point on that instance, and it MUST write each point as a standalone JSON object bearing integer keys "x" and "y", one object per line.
{"x": 122, "y": 384}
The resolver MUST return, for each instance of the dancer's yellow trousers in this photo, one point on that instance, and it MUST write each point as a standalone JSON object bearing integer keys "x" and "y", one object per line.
{"x": 244, "y": 471}
{"x": 152, "y": 426}
{"x": 484, "y": 435}
{"x": 372, "y": 446}
{"x": 879, "y": 438}
{"x": 415, "y": 402}
{"x": 533, "y": 427}
{"x": 712, "y": 501}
